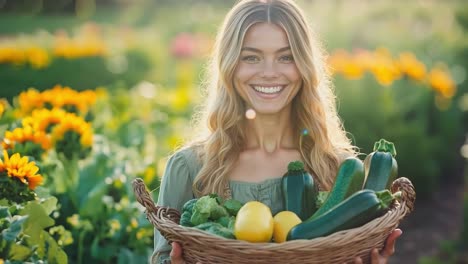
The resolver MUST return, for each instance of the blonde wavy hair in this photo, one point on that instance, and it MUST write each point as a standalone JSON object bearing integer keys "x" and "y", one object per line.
{"x": 221, "y": 137}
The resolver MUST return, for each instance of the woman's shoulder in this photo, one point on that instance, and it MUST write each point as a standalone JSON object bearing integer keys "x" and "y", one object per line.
{"x": 188, "y": 156}
{"x": 188, "y": 153}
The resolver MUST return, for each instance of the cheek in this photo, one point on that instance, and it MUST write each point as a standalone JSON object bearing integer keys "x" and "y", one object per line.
{"x": 292, "y": 73}
{"x": 244, "y": 73}
{"x": 294, "y": 77}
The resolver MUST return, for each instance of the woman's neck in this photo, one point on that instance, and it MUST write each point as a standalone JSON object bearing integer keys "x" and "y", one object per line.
{"x": 270, "y": 133}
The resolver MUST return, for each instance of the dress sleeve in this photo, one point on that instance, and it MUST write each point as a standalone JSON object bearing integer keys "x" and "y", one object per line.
{"x": 176, "y": 189}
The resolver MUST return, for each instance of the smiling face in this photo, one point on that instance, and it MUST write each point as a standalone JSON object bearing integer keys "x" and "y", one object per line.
{"x": 266, "y": 76}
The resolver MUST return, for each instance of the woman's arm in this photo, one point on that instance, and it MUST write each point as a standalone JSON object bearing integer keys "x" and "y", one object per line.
{"x": 175, "y": 190}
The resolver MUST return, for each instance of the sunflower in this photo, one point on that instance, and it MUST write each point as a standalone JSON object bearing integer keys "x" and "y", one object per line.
{"x": 29, "y": 100}
{"x": 44, "y": 119}
{"x": 57, "y": 97}
{"x": 73, "y": 135}
{"x": 441, "y": 81}
{"x": 20, "y": 168}
{"x": 411, "y": 66}
{"x": 27, "y": 133}
{"x": 68, "y": 99}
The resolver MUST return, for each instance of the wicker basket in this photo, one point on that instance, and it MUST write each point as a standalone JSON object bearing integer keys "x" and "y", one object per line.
{"x": 339, "y": 247}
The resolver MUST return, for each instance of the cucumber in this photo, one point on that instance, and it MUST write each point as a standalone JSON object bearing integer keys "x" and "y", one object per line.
{"x": 298, "y": 190}
{"x": 380, "y": 166}
{"x": 349, "y": 179}
{"x": 358, "y": 209}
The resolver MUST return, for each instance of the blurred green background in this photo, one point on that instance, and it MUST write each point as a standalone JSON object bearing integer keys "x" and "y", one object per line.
{"x": 150, "y": 56}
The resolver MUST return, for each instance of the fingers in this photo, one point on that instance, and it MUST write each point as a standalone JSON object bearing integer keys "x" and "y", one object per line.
{"x": 176, "y": 254}
{"x": 389, "y": 248}
{"x": 357, "y": 260}
{"x": 375, "y": 256}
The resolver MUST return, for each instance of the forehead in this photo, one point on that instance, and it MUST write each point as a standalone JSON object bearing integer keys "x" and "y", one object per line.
{"x": 266, "y": 36}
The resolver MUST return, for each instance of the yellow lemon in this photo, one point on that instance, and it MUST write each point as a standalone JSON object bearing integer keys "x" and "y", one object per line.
{"x": 254, "y": 223}
{"x": 283, "y": 222}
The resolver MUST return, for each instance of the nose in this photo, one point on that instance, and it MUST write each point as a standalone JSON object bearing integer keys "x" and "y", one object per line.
{"x": 269, "y": 70}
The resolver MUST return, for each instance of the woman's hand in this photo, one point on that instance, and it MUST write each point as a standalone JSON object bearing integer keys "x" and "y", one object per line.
{"x": 176, "y": 254}
{"x": 387, "y": 251}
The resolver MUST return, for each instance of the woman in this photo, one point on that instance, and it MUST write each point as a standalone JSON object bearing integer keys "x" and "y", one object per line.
{"x": 267, "y": 64}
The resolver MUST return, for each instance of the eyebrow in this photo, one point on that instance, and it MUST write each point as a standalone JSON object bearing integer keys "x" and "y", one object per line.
{"x": 259, "y": 51}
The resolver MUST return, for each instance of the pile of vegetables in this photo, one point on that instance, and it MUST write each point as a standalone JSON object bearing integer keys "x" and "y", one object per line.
{"x": 212, "y": 214}
{"x": 360, "y": 194}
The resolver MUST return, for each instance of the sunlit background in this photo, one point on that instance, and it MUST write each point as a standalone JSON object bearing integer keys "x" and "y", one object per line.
{"x": 123, "y": 78}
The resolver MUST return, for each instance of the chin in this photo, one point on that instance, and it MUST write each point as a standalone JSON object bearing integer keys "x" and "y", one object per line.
{"x": 267, "y": 111}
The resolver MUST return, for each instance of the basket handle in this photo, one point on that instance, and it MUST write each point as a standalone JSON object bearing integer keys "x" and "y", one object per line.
{"x": 142, "y": 195}
{"x": 408, "y": 194}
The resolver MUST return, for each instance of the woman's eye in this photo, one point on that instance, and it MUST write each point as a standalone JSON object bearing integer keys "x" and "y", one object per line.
{"x": 287, "y": 58}
{"x": 250, "y": 58}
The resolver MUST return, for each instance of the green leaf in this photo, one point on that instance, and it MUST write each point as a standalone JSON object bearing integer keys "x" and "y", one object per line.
{"x": 4, "y": 202}
{"x": 19, "y": 252}
{"x": 92, "y": 204}
{"x": 42, "y": 192}
{"x": 15, "y": 228}
{"x": 4, "y": 212}
{"x": 103, "y": 252}
{"x": 37, "y": 221}
{"x": 49, "y": 205}
{"x": 321, "y": 197}
{"x": 55, "y": 254}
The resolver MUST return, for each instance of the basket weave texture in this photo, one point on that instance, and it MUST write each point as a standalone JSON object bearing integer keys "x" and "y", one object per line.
{"x": 339, "y": 247}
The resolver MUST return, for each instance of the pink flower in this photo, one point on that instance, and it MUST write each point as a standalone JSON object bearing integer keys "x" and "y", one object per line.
{"x": 183, "y": 45}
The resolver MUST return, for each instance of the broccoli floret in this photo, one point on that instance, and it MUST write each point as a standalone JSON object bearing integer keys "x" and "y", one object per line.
{"x": 218, "y": 198}
{"x": 188, "y": 206}
{"x": 218, "y": 212}
{"x": 232, "y": 206}
{"x": 216, "y": 229}
{"x": 219, "y": 230}
{"x": 227, "y": 221}
{"x": 185, "y": 219}
{"x": 204, "y": 226}
{"x": 206, "y": 208}
{"x": 224, "y": 221}
{"x": 199, "y": 218}
{"x": 205, "y": 205}
{"x": 231, "y": 223}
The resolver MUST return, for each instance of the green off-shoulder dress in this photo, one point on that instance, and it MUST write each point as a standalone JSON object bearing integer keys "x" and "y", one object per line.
{"x": 176, "y": 189}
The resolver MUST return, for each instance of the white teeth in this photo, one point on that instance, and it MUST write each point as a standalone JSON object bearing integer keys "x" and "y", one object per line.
{"x": 268, "y": 90}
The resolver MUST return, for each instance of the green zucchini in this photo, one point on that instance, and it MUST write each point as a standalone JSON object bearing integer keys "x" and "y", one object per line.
{"x": 380, "y": 166}
{"x": 358, "y": 209}
{"x": 349, "y": 179}
{"x": 298, "y": 190}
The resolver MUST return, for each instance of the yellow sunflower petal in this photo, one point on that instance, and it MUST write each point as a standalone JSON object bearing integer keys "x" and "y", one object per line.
{"x": 34, "y": 181}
